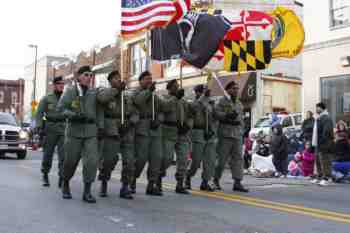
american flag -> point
(139, 15)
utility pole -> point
(34, 103)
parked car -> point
(290, 121)
(13, 139)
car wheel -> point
(21, 154)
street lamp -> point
(34, 104)
(35, 67)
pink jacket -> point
(307, 163)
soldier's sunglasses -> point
(88, 74)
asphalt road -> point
(272, 206)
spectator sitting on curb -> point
(341, 164)
(307, 160)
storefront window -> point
(335, 93)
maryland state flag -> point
(247, 55)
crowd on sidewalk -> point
(319, 152)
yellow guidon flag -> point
(288, 34)
(246, 55)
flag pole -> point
(181, 73)
(213, 73)
(148, 65)
(121, 77)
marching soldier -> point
(79, 104)
(148, 134)
(229, 113)
(203, 139)
(114, 130)
(127, 145)
(176, 127)
(53, 129)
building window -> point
(1, 97)
(138, 59)
(335, 93)
(14, 97)
(339, 13)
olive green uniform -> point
(147, 140)
(176, 113)
(81, 135)
(128, 142)
(110, 100)
(229, 138)
(53, 127)
(203, 137)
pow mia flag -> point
(195, 38)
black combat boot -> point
(66, 190)
(217, 184)
(205, 186)
(46, 182)
(188, 183)
(125, 193)
(239, 187)
(60, 182)
(133, 186)
(153, 189)
(87, 196)
(103, 188)
(180, 187)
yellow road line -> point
(317, 213)
(288, 208)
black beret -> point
(57, 79)
(230, 85)
(113, 74)
(84, 69)
(321, 105)
(199, 88)
(144, 74)
(170, 84)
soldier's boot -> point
(239, 187)
(87, 196)
(205, 186)
(188, 183)
(66, 190)
(125, 193)
(180, 187)
(217, 185)
(159, 184)
(60, 182)
(153, 189)
(133, 186)
(46, 182)
(103, 188)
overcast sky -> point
(58, 27)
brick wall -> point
(11, 96)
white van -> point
(288, 121)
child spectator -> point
(307, 160)
(248, 147)
(279, 150)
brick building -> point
(102, 60)
(11, 97)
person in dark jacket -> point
(341, 164)
(308, 126)
(323, 139)
(279, 150)
(341, 141)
